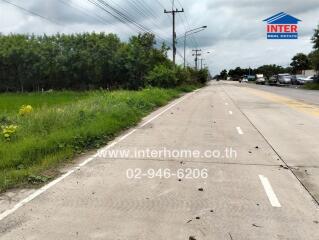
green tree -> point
(315, 38)
(236, 73)
(223, 74)
(300, 62)
(269, 70)
(81, 61)
(314, 56)
(314, 59)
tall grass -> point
(57, 130)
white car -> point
(284, 78)
(305, 80)
(244, 80)
(260, 79)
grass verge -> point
(58, 130)
(311, 86)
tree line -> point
(298, 63)
(87, 61)
(266, 70)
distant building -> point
(309, 72)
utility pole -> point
(201, 63)
(173, 12)
(196, 54)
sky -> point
(235, 34)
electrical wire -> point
(32, 13)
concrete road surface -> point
(292, 91)
(227, 162)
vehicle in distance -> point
(301, 79)
(295, 79)
(260, 79)
(284, 78)
(244, 79)
(272, 80)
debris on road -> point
(254, 225)
(231, 237)
(284, 167)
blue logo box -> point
(282, 35)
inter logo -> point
(282, 26)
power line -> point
(122, 17)
(185, 15)
(32, 13)
(144, 10)
(84, 11)
(159, 2)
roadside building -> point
(309, 72)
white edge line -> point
(269, 191)
(59, 179)
(240, 132)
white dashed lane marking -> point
(240, 132)
(269, 191)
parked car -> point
(284, 78)
(295, 79)
(301, 79)
(309, 79)
(272, 80)
(244, 79)
(260, 79)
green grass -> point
(64, 124)
(10, 102)
(311, 86)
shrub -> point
(202, 76)
(183, 75)
(198, 76)
(168, 76)
(162, 76)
